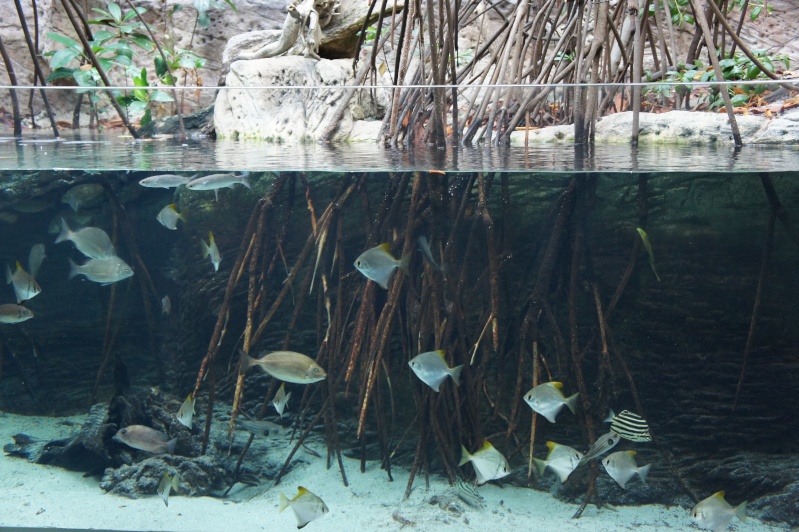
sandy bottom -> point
(34, 495)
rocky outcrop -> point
(677, 127)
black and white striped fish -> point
(629, 426)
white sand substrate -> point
(33, 495)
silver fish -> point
(561, 459)
(306, 506)
(216, 181)
(621, 467)
(10, 313)
(103, 271)
(629, 426)
(81, 196)
(30, 206)
(489, 464)
(25, 286)
(146, 439)
(166, 305)
(166, 485)
(91, 241)
(169, 216)
(432, 369)
(186, 412)
(35, 258)
(378, 264)
(165, 181)
(258, 426)
(424, 247)
(210, 250)
(715, 513)
(547, 400)
(286, 366)
(601, 445)
(281, 400)
(75, 219)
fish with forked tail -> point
(377, 264)
(715, 513)
(547, 400)
(146, 439)
(286, 366)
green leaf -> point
(105, 64)
(142, 41)
(102, 36)
(141, 79)
(231, 4)
(752, 72)
(161, 96)
(115, 11)
(203, 19)
(137, 107)
(85, 78)
(62, 58)
(66, 41)
(739, 100)
(61, 73)
(141, 95)
(146, 118)
(160, 67)
(755, 12)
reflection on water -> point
(111, 152)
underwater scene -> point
(426, 348)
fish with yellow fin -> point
(305, 505)
(648, 246)
(432, 369)
(489, 464)
(211, 250)
(186, 412)
(561, 459)
(621, 467)
(715, 513)
(377, 264)
(547, 400)
(25, 286)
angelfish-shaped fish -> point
(306, 506)
(432, 369)
(489, 464)
(621, 466)
(547, 400)
(281, 400)
(378, 264)
(561, 459)
(715, 513)
(210, 250)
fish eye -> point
(316, 370)
(123, 431)
(610, 441)
(358, 263)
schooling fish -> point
(561, 459)
(258, 426)
(424, 247)
(35, 258)
(306, 506)
(10, 313)
(216, 181)
(25, 286)
(210, 250)
(186, 411)
(169, 216)
(629, 426)
(715, 513)
(286, 366)
(281, 400)
(621, 467)
(166, 485)
(165, 181)
(547, 400)
(489, 464)
(91, 241)
(432, 369)
(378, 264)
(601, 445)
(648, 246)
(146, 439)
(103, 271)
(80, 196)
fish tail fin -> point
(74, 269)
(206, 249)
(541, 465)
(455, 373)
(170, 445)
(404, 263)
(284, 502)
(245, 180)
(245, 362)
(610, 417)
(64, 233)
(175, 482)
(571, 402)
(740, 512)
(465, 456)
(643, 472)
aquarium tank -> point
(433, 266)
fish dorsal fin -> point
(210, 237)
(718, 495)
(486, 446)
(442, 354)
(557, 385)
(551, 445)
(19, 266)
(632, 453)
(300, 492)
(173, 207)
(385, 247)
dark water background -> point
(706, 212)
